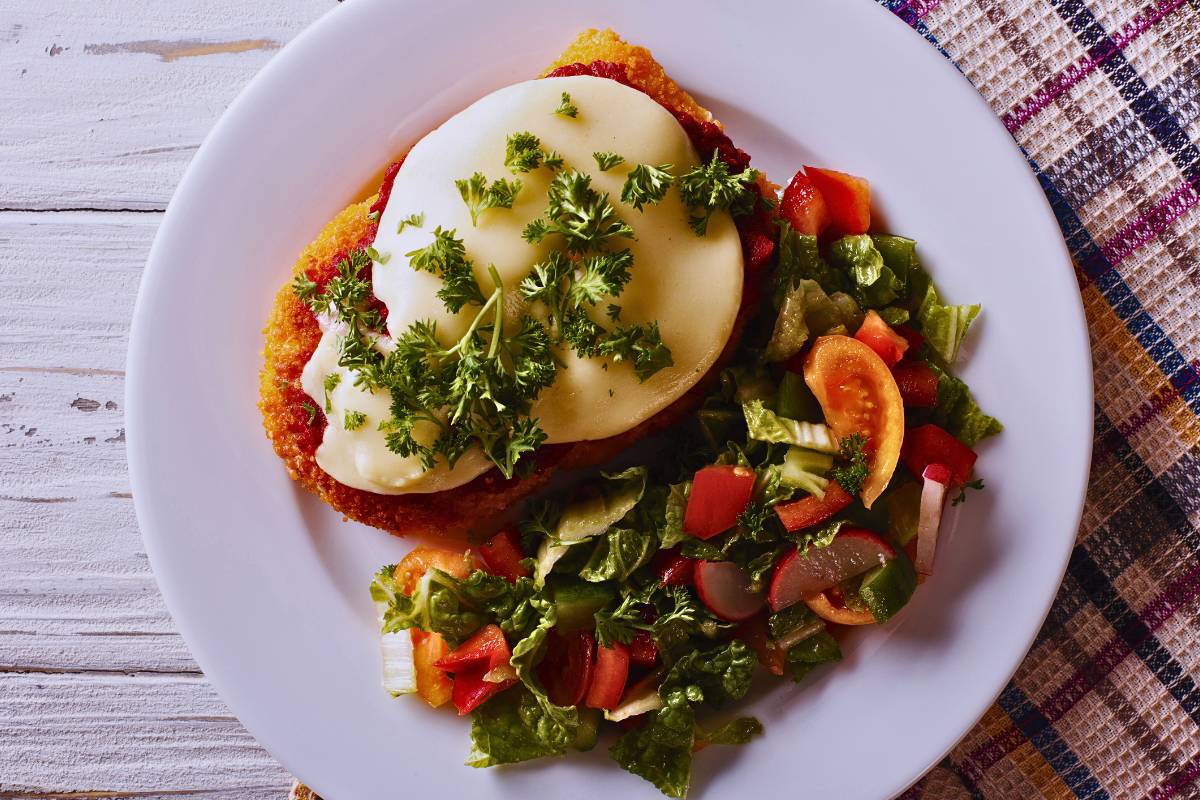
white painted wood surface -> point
(104, 102)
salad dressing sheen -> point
(691, 285)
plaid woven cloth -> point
(1104, 98)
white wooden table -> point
(102, 104)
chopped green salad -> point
(802, 497)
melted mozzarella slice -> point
(691, 285)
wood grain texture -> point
(105, 102)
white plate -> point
(269, 586)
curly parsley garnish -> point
(311, 411)
(479, 196)
(353, 420)
(710, 187)
(331, 382)
(851, 469)
(578, 213)
(446, 257)
(607, 161)
(566, 108)
(412, 220)
(646, 184)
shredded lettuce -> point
(737, 731)
(874, 284)
(943, 326)
(808, 653)
(903, 505)
(958, 413)
(767, 426)
(807, 310)
(800, 259)
(672, 532)
(618, 553)
(513, 727)
(558, 724)
(817, 537)
(434, 606)
(805, 469)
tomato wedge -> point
(642, 650)
(424, 558)
(848, 198)
(859, 395)
(502, 555)
(566, 669)
(433, 684)
(755, 633)
(719, 494)
(879, 336)
(612, 671)
(804, 207)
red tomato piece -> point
(848, 199)
(673, 567)
(719, 494)
(755, 633)
(808, 511)
(929, 444)
(879, 336)
(803, 206)
(502, 555)
(608, 682)
(642, 650)
(910, 334)
(918, 384)
(487, 648)
(566, 669)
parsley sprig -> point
(851, 469)
(580, 214)
(711, 187)
(566, 108)
(523, 152)
(646, 184)
(606, 161)
(480, 196)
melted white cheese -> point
(690, 284)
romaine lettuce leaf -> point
(903, 505)
(800, 259)
(766, 426)
(943, 326)
(618, 553)
(435, 606)
(806, 469)
(512, 727)
(556, 724)
(874, 284)
(661, 750)
(958, 413)
(808, 653)
(737, 731)
(817, 537)
(806, 310)
(672, 532)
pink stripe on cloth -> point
(1180, 592)
(1027, 109)
(1168, 788)
(1151, 224)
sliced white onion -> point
(933, 497)
(399, 676)
(500, 674)
(785, 642)
(641, 698)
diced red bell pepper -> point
(642, 650)
(879, 336)
(472, 689)
(929, 444)
(719, 494)
(502, 555)
(808, 511)
(486, 648)
(912, 336)
(918, 384)
(804, 207)
(566, 669)
(848, 198)
(608, 682)
(673, 567)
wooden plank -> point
(79, 270)
(127, 736)
(105, 101)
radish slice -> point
(933, 497)
(852, 551)
(725, 589)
